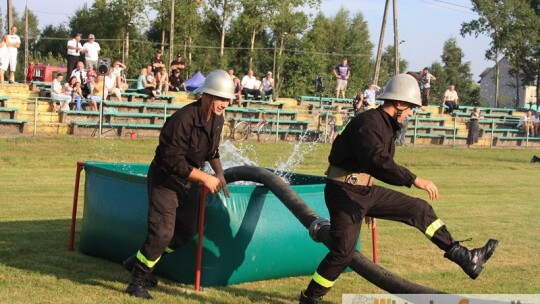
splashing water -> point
(293, 161)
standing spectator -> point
(402, 133)
(58, 94)
(526, 124)
(474, 128)
(249, 83)
(426, 85)
(450, 100)
(188, 139)
(111, 85)
(96, 95)
(4, 59)
(176, 82)
(267, 88)
(370, 96)
(178, 65)
(358, 103)
(91, 51)
(363, 151)
(13, 44)
(157, 63)
(74, 48)
(342, 72)
(338, 122)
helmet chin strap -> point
(399, 112)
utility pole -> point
(381, 41)
(9, 15)
(26, 41)
(171, 35)
(396, 40)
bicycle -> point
(243, 129)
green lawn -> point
(485, 193)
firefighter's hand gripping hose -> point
(319, 230)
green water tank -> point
(247, 237)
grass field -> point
(485, 193)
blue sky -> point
(424, 25)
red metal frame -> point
(198, 265)
(80, 166)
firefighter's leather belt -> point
(352, 178)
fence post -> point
(277, 127)
(492, 132)
(455, 131)
(415, 130)
(35, 116)
(325, 126)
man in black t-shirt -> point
(176, 82)
(157, 62)
(178, 65)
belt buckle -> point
(351, 179)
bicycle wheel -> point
(226, 132)
(241, 130)
(264, 132)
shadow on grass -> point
(41, 247)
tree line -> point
(268, 35)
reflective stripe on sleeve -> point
(322, 281)
(169, 250)
(431, 229)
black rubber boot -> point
(306, 300)
(151, 280)
(535, 159)
(471, 261)
(137, 285)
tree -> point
(49, 40)
(454, 71)
(227, 8)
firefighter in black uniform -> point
(188, 138)
(364, 151)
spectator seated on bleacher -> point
(119, 71)
(162, 81)
(111, 88)
(97, 93)
(526, 124)
(176, 82)
(237, 92)
(249, 86)
(267, 86)
(73, 89)
(144, 86)
(58, 94)
(536, 121)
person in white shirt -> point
(370, 96)
(111, 86)
(267, 87)
(58, 94)
(450, 100)
(4, 59)
(526, 124)
(74, 48)
(91, 51)
(249, 83)
(13, 44)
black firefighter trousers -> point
(173, 213)
(348, 205)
